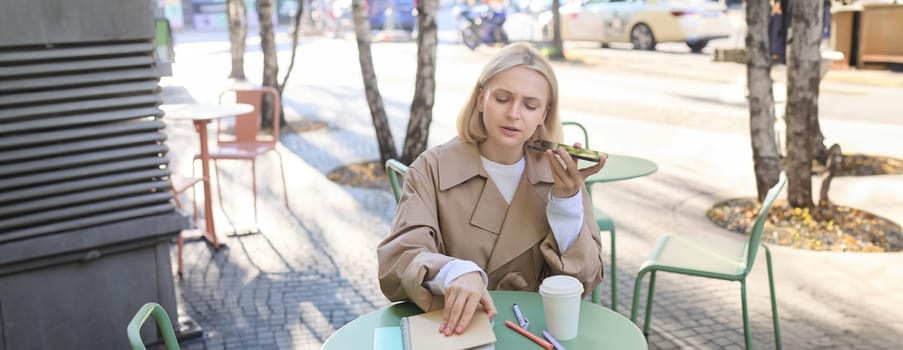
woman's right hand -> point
(462, 296)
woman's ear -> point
(480, 100)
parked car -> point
(523, 19)
(391, 14)
(643, 23)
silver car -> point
(643, 23)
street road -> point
(663, 87)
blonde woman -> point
(481, 212)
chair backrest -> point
(163, 324)
(755, 236)
(396, 171)
(583, 129)
(247, 126)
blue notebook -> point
(387, 338)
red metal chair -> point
(247, 142)
(180, 185)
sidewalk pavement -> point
(312, 268)
(682, 65)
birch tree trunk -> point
(377, 111)
(802, 99)
(761, 100)
(270, 63)
(425, 87)
(238, 30)
(296, 28)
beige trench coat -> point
(450, 208)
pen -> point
(546, 345)
(551, 339)
(524, 322)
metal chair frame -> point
(164, 325)
(246, 145)
(396, 170)
(708, 258)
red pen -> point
(531, 336)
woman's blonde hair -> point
(470, 120)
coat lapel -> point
(521, 229)
(490, 211)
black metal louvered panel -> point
(52, 177)
(27, 54)
(28, 98)
(65, 122)
(83, 183)
(51, 110)
(81, 141)
(72, 81)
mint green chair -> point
(396, 170)
(605, 223)
(718, 258)
(163, 325)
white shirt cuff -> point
(453, 269)
(565, 218)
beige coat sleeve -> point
(413, 253)
(583, 259)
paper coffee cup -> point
(561, 302)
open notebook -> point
(422, 332)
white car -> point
(643, 23)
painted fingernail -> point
(442, 328)
(460, 329)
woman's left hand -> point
(568, 177)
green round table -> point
(600, 327)
(620, 167)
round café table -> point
(201, 114)
(599, 328)
(620, 167)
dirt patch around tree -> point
(833, 228)
(865, 165)
(826, 228)
(305, 125)
(366, 174)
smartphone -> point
(580, 153)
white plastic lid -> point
(561, 285)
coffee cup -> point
(561, 302)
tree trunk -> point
(425, 87)
(270, 64)
(188, 13)
(238, 30)
(368, 74)
(819, 150)
(802, 99)
(296, 27)
(557, 44)
(761, 101)
(834, 160)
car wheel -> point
(642, 38)
(697, 46)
